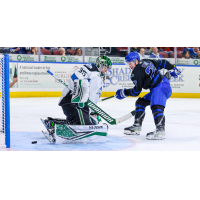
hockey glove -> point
(175, 72)
(96, 116)
(120, 94)
(81, 91)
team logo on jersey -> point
(150, 70)
(135, 83)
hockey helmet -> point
(103, 61)
(132, 57)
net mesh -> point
(2, 101)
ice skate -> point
(133, 130)
(49, 125)
(158, 134)
(49, 137)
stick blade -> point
(125, 117)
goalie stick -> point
(98, 110)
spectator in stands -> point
(52, 49)
(148, 50)
(193, 51)
(137, 49)
(6, 50)
(78, 52)
(19, 50)
(48, 48)
(62, 51)
(113, 51)
(155, 53)
(198, 55)
(166, 49)
(34, 51)
(186, 55)
(142, 52)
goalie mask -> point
(103, 61)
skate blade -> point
(155, 137)
(51, 140)
(44, 123)
(126, 132)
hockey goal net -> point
(4, 101)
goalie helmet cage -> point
(5, 101)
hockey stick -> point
(98, 110)
(106, 98)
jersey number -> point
(82, 71)
(150, 69)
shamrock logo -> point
(19, 57)
(63, 58)
(196, 62)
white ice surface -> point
(182, 118)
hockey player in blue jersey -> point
(146, 75)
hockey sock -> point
(159, 117)
(140, 104)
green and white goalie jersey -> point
(87, 72)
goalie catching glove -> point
(81, 91)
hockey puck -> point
(34, 142)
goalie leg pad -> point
(81, 133)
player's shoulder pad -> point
(144, 63)
(91, 67)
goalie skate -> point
(49, 137)
(158, 134)
(133, 130)
(48, 126)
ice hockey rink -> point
(182, 126)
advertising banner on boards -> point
(34, 76)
